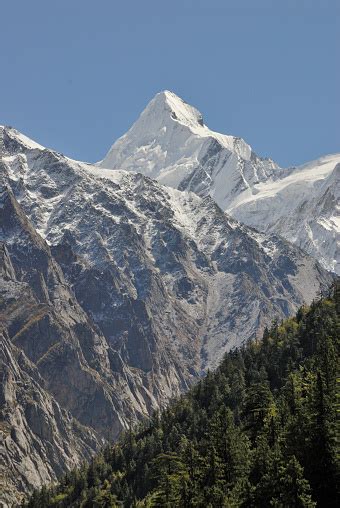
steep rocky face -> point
(40, 319)
(39, 440)
(122, 292)
(52, 328)
(166, 276)
(170, 143)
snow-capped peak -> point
(180, 111)
(167, 102)
(168, 141)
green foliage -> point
(258, 432)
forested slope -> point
(260, 431)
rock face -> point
(170, 143)
(116, 293)
(39, 440)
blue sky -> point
(75, 74)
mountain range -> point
(123, 282)
(170, 143)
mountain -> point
(120, 293)
(259, 431)
(169, 142)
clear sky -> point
(75, 74)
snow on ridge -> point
(171, 144)
(24, 140)
(300, 181)
(186, 114)
(183, 112)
